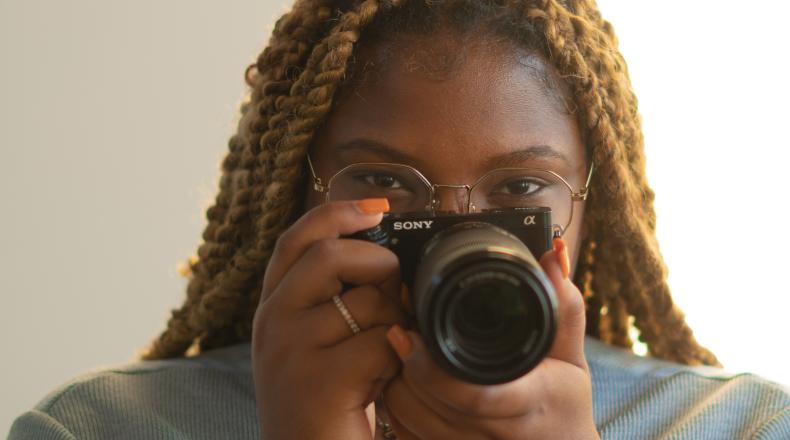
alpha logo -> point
(408, 226)
(529, 220)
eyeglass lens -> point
(408, 191)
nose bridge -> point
(451, 198)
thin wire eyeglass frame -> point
(576, 196)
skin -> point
(314, 379)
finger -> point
(439, 388)
(417, 417)
(568, 343)
(406, 404)
(329, 263)
(330, 220)
(365, 358)
(369, 307)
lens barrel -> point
(485, 308)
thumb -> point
(569, 341)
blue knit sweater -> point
(211, 396)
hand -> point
(554, 400)
(313, 377)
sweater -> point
(211, 396)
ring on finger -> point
(341, 307)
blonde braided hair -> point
(293, 88)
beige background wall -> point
(114, 116)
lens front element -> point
(489, 319)
(485, 308)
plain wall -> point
(114, 117)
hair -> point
(292, 89)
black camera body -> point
(481, 302)
(407, 234)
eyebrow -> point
(392, 154)
(518, 157)
(371, 146)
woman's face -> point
(454, 111)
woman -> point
(454, 92)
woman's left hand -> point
(554, 400)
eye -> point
(381, 180)
(520, 187)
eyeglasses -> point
(408, 190)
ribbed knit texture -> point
(212, 397)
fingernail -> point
(373, 206)
(562, 256)
(399, 341)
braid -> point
(294, 83)
(260, 174)
(622, 217)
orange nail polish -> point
(399, 341)
(561, 249)
(373, 206)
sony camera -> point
(484, 307)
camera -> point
(484, 307)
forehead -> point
(442, 99)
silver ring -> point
(341, 307)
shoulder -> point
(207, 396)
(654, 398)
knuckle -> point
(326, 249)
(389, 258)
(265, 313)
(480, 402)
(285, 240)
(574, 301)
(313, 214)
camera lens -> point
(488, 320)
(489, 308)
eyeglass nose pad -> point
(450, 199)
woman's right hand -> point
(313, 377)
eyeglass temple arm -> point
(584, 191)
(318, 185)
